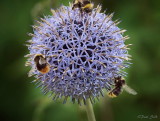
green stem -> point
(89, 110)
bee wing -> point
(129, 90)
(42, 61)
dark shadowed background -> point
(21, 101)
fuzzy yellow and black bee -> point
(120, 84)
(41, 64)
(83, 5)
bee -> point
(120, 84)
(77, 4)
(83, 5)
(41, 64)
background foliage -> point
(21, 101)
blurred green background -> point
(21, 101)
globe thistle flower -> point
(84, 51)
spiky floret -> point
(84, 52)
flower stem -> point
(89, 110)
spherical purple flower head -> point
(85, 52)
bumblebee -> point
(77, 4)
(41, 64)
(83, 5)
(120, 84)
